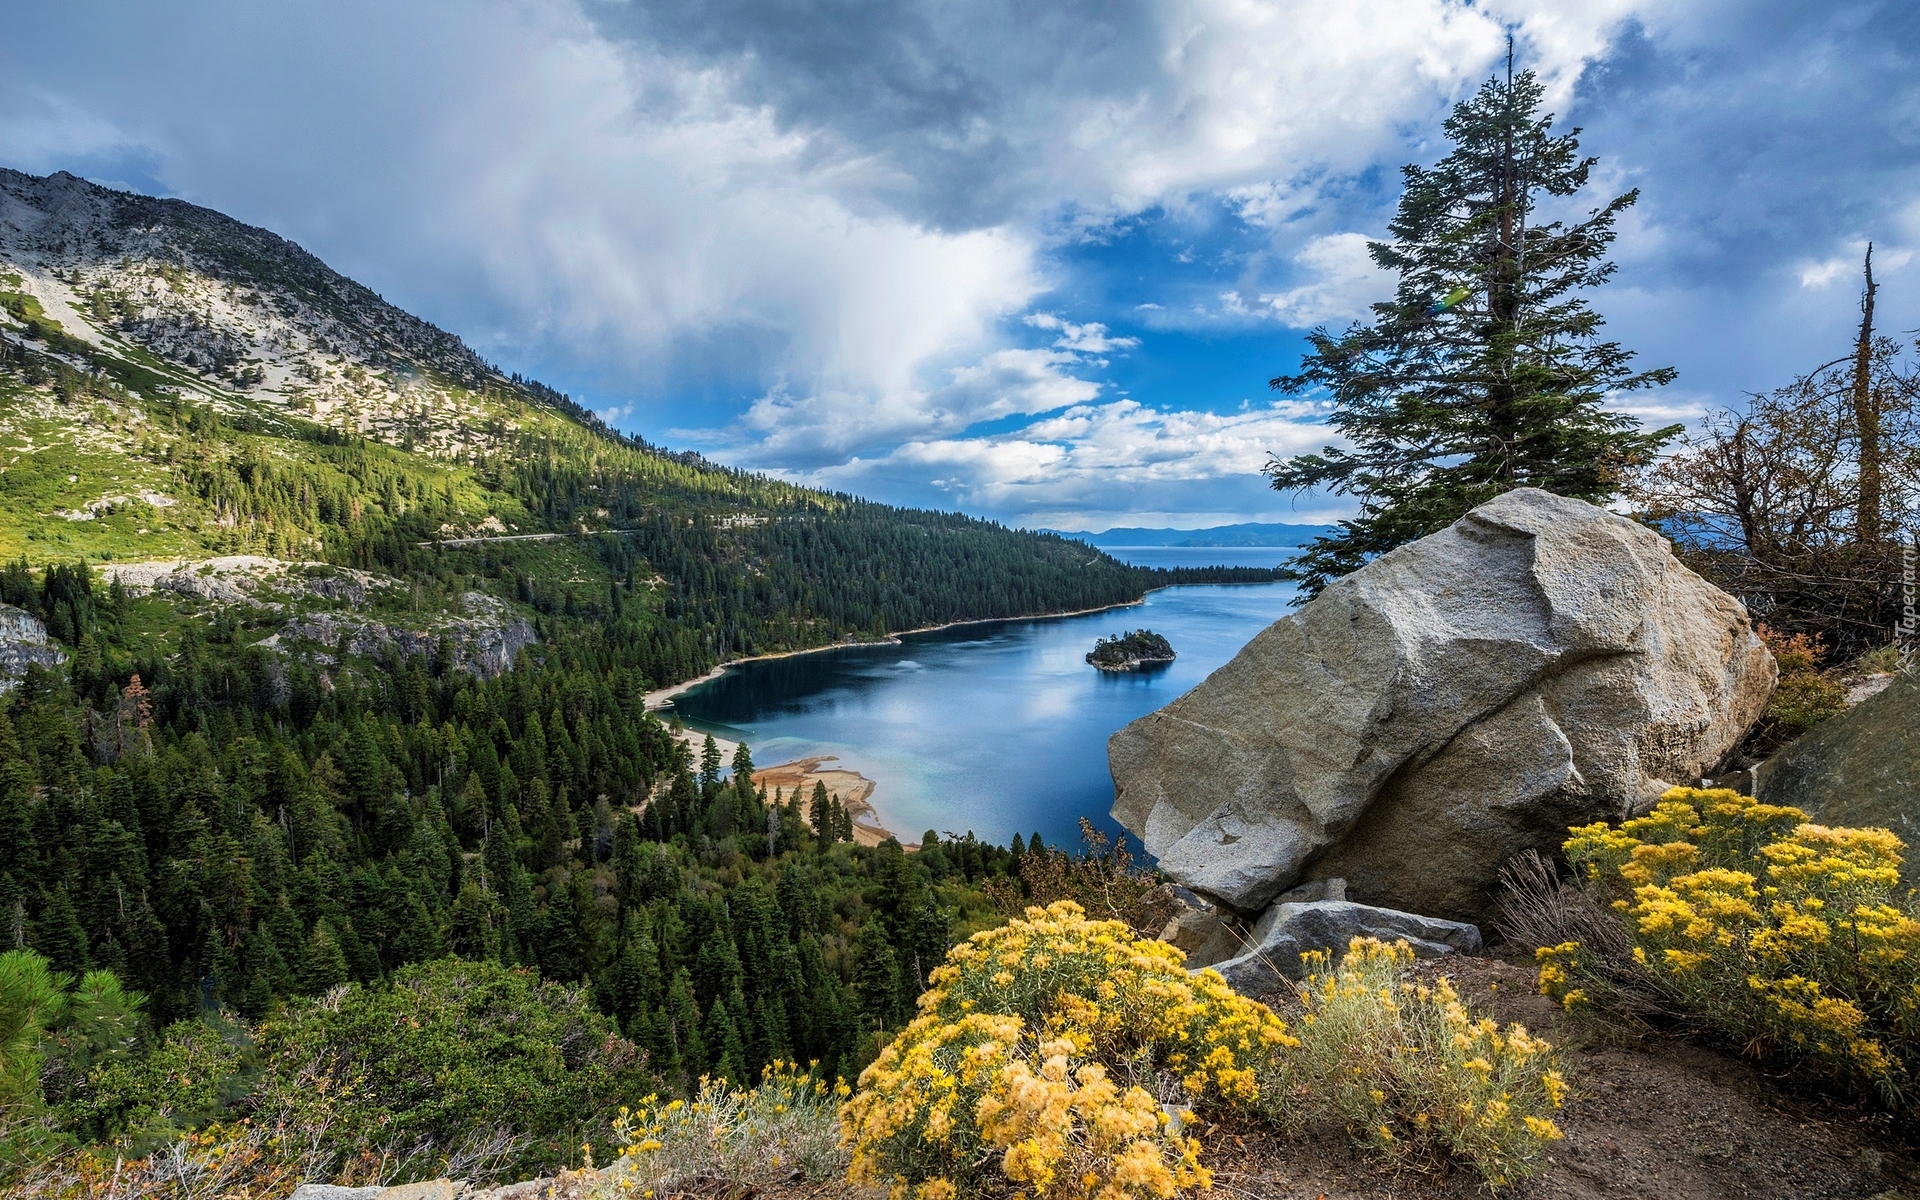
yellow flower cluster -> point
(1409, 1064)
(751, 1137)
(1030, 1051)
(1789, 936)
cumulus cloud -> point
(866, 243)
(1341, 280)
(1096, 462)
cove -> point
(997, 728)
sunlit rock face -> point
(1540, 663)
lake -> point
(998, 728)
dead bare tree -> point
(1800, 505)
(1866, 417)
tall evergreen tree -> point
(876, 976)
(820, 813)
(1486, 371)
(689, 1049)
(326, 963)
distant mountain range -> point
(1248, 534)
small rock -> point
(431, 1189)
(1204, 935)
(1285, 932)
(332, 1191)
(1314, 889)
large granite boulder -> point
(1540, 663)
(1861, 768)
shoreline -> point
(868, 823)
(663, 697)
(853, 790)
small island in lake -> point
(1141, 648)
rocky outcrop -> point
(24, 642)
(484, 641)
(1282, 938)
(250, 579)
(1861, 768)
(1460, 700)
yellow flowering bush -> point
(744, 1139)
(1045, 1049)
(1405, 1066)
(1789, 937)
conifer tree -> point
(1486, 371)
(722, 1035)
(820, 814)
(59, 938)
(474, 929)
(876, 976)
(558, 951)
(688, 1048)
(326, 963)
(637, 979)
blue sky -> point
(1036, 261)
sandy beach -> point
(853, 790)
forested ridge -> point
(233, 833)
(213, 828)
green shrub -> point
(750, 1138)
(449, 1060)
(1409, 1070)
(196, 1074)
(1789, 938)
(1806, 695)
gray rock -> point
(485, 640)
(331, 1191)
(427, 1189)
(1314, 889)
(1460, 700)
(24, 642)
(1860, 768)
(1286, 932)
(1205, 936)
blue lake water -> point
(997, 728)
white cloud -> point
(1342, 281)
(1092, 459)
(1090, 338)
(835, 257)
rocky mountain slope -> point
(237, 314)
